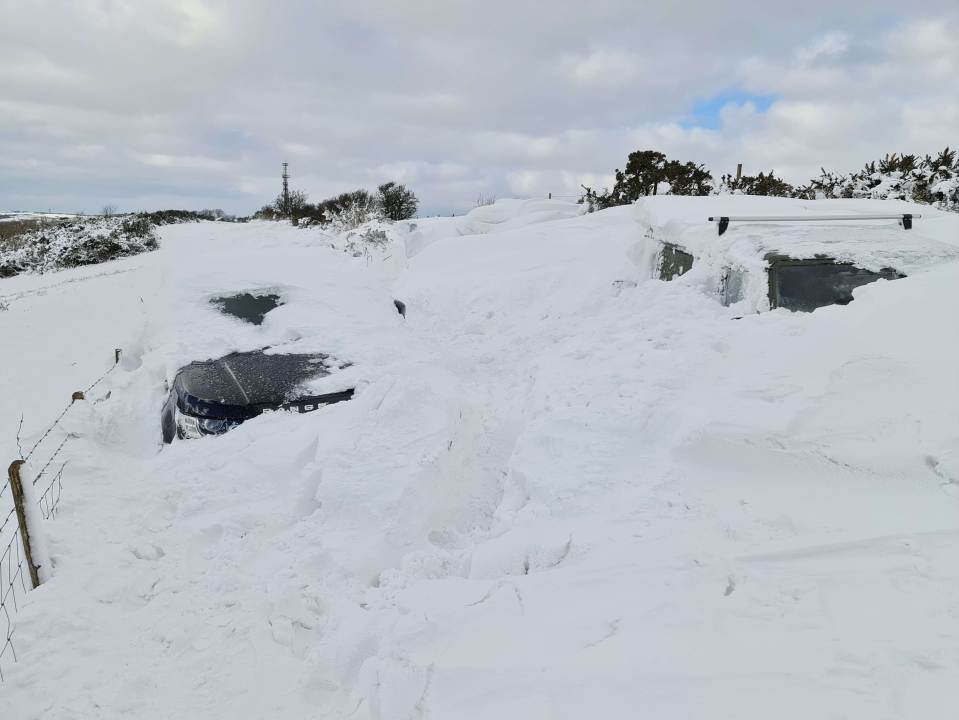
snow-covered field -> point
(16, 216)
(563, 490)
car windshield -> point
(248, 307)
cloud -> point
(183, 162)
(829, 47)
(197, 102)
(605, 68)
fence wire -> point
(50, 496)
(48, 485)
(13, 584)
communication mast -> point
(286, 189)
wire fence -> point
(14, 584)
(19, 490)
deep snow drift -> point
(563, 489)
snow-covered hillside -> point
(563, 489)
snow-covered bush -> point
(82, 241)
(761, 184)
(345, 211)
(352, 217)
(930, 179)
(946, 193)
(367, 237)
(169, 217)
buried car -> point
(214, 396)
(786, 253)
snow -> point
(16, 215)
(503, 215)
(563, 489)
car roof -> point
(870, 244)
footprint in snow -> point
(148, 551)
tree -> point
(646, 171)
(296, 202)
(396, 201)
(291, 206)
(267, 212)
(688, 178)
(214, 214)
(109, 211)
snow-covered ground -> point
(563, 490)
(17, 215)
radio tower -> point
(286, 189)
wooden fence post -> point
(16, 484)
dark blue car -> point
(213, 396)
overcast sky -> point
(195, 103)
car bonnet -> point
(249, 380)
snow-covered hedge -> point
(82, 241)
(929, 179)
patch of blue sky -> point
(705, 113)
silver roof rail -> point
(724, 220)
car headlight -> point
(213, 426)
(187, 426)
(191, 427)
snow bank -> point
(564, 489)
(501, 216)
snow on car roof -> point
(871, 244)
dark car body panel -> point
(674, 261)
(240, 386)
(802, 285)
